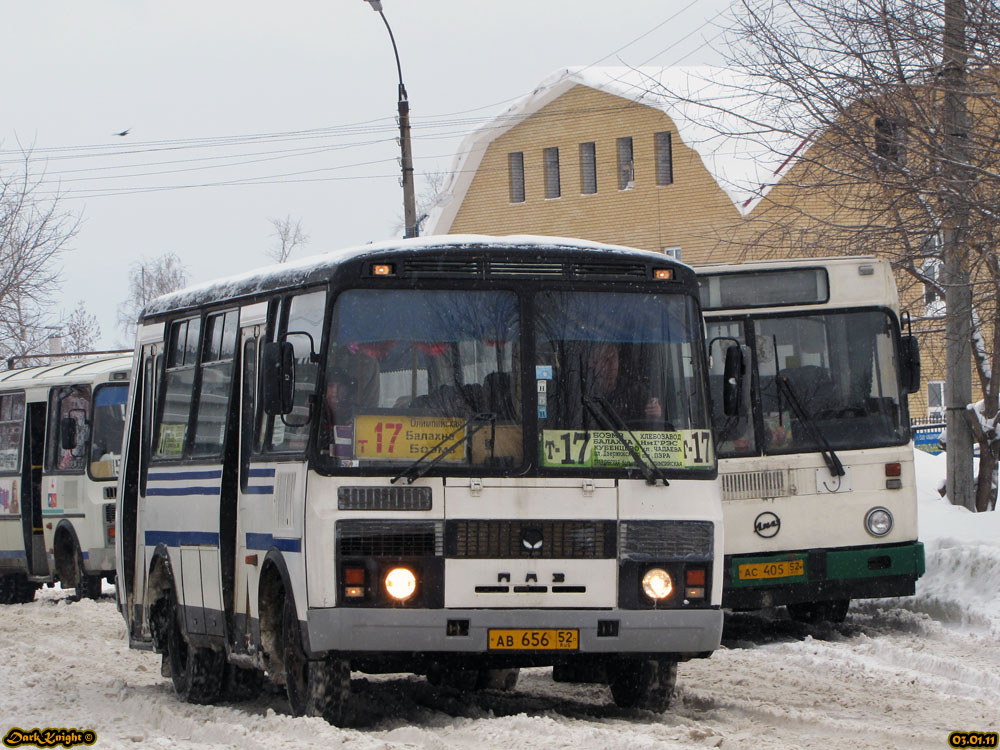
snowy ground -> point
(898, 673)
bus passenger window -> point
(11, 429)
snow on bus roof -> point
(66, 369)
(718, 112)
(311, 268)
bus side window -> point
(249, 422)
(174, 404)
(303, 329)
(11, 429)
(69, 428)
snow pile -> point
(962, 582)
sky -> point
(242, 112)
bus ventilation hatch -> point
(750, 485)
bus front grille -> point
(365, 538)
(751, 485)
(541, 539)
(667, 540)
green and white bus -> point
(817, 468)
(399, 458)
(60, 443)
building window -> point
(932, 270)
(551, 160)
(588, 168)
(890, 145)
(935, 400)
(626, 164)
(664, 158)
(515, 167)
(672, 252)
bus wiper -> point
(829, 456)
(418, 468)
(650, 470)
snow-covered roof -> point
(317, 268)
(68, 370)
(718, 112)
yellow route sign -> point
(405, 438)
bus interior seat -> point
(497, 396)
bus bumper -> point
(847, 573)
(682, 633)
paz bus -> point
(398, 458)
(60, 441)
(817, 465)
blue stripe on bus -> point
(264, 489)
(182, 491)
(262, 472)
(182, 538)
(174, 477)
(266, 541)
(12, 554)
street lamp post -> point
(409, 201)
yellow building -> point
(650, 158)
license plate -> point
(776, 569)
(534, 640)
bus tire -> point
(196, 672)
(643, 683)
(17, 589)
(241, 683)
(315, 687)
(88, 587)
(834, 611)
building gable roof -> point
(745, 153)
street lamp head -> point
(376, 5)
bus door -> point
(31, 489)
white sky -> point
(297, 98)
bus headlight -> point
(878, 522)
(400, 583)
(657, 584)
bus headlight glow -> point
(657, 584)
(400, 583)
(878, 522)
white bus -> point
(400, 458)
(60, 441)
(817, 469)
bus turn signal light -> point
(663, 274)
(382, 269)
(894, 470)
(695, 577)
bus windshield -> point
(406, 371)
(839, 366)
(109, 423)
(615, 367)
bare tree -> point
(147, 280)
(82, 332)
(34, 233)
(288, 235)
(891, 131)
(433, 186)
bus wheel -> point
(834, 611)
(645, 683)
(241, 683)
(314, 687)
(498, 679)
(196, 672)
(88, 587)
(17, 589)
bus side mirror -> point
(733, 375)
(67, 433)
(277, 366)
(909, 361)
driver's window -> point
(69, 428)
(303, 329)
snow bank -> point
(962, 582)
